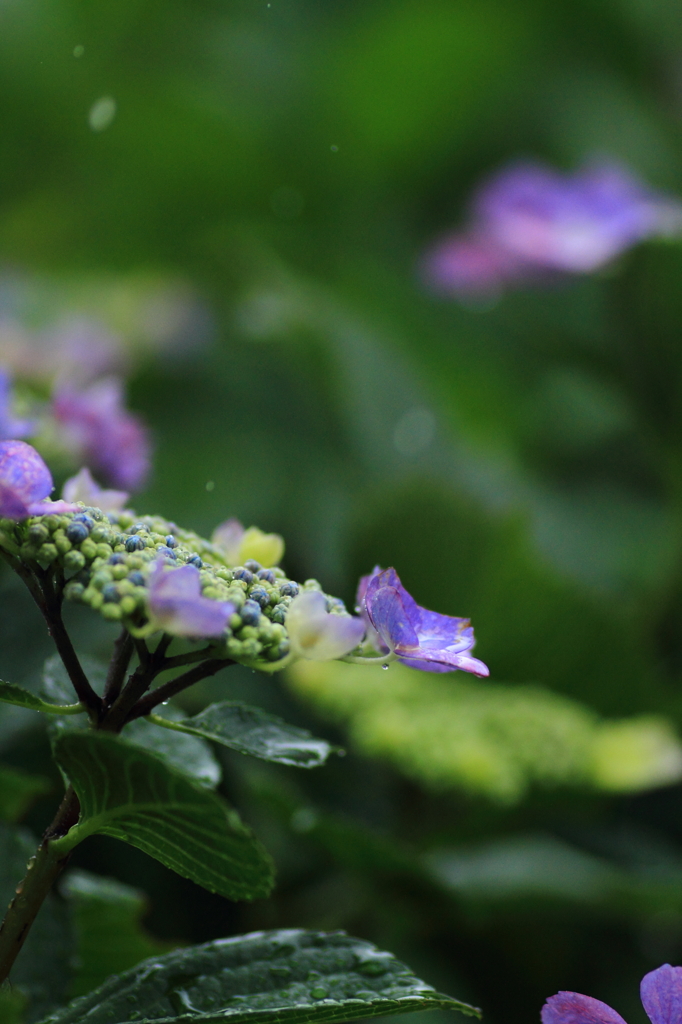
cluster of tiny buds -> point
(106, 561)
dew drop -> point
(318, 992)
(385, 668)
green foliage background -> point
(288, 162)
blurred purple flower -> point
(528, 221)
(82, 487)
(660, 990)
(419, 638)
(25, 483)
(177, 605)
(105, 435)
(9, 427)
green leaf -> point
(41, 972)
(131, 794)
(190, 754)
(56, 685)
(13, 694)
(109, 937)
(18, 790)
(283, 977)
(12, 1006)
(252, 731)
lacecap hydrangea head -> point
(150, 574)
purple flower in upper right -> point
(419, 638)
(528, 222)
(660, 990)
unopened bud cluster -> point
(106, 561)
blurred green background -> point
(279, 167)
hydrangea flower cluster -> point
(88, 422)
(151, 575)
(528, 222)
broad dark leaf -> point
(109, 937)
(190, 754)
(252, 731)
(58, 688)
(18, 790)
(279, 977)
(132, 794)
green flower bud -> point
(251, 648)
(74, 591)
(128, 604)
(89, 549)
(47, 553)
(100, 579)
(111, 611)
(61, 542)
(73, 561)
(38, 533)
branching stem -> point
(177, 685)
(124, 646)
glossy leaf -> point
(190, 754)
(58, 688)
(279, 977)
(18, 790)
(13, 694)
(109, 937)
(131, 794)
(252, 731)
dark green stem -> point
(43, 870)
(177, 685)
(118, 666)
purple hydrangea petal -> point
(10, 427)
(441, 661)
(436, 628)
(55, 508)
(82, 487)
(371, 634)
(106, 435)
(574, 223)
(528, 221)
(176, 603)
(420, 638)
(661, 992)
(574, 1008)
(11, 505)
(472, 264)
(389, 616)
(23, 472)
